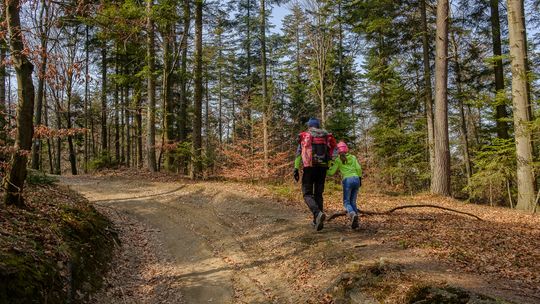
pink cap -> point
(342, 147)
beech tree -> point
(14, 179)
(520, 101)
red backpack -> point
(317, 147)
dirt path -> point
(220, 243)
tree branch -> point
(344, 213)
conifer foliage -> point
(432, 94)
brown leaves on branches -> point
(42, 131)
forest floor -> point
(223, 242)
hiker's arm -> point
(358, 167)
(333, 167)
(298, 159)
(297, 162)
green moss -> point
(32, 270)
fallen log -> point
(344, 213)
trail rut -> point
(217, 243)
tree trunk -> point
(36, 147)
(151, 118)
(183, 100)
(196, 166)
(501, 112)
(86, 92)
(72, 156)
(463, 122)
(127, 118)
(220, 89)
(265, 103)
(428, 93)
(49, 140)
(116, 110)
(14, 180)
(104, 146)
(441, 175)
(138, 120)
(518, 54)
(167, 97)
(3, 103)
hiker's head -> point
(342, 147)
(313, 123)
(342, 150)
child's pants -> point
(351, 185)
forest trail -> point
(215, 242)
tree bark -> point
(196, 163)
(14, 180)
(167, 97)
(151, 113)
(71, 147)
(116, 109)
(104, 145)
(183, 100)
(463, 122)
(36, 147)
(441, 175)
(127, 117)
(3, 103)
(86, 96)
(138, 121)
(518, 54)
(265, 103)
(501, 113)
(428, 92)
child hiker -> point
(351, 172)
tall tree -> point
(520, 101)
(265, 103)
(104, 145)
(14, 180)
(183, 79)
(321, 37)
(428, 93)
(151, 112)
(441, 173)
(196, 162)
(44, 29)
(501, 112)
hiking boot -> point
(319, 221)
(354, 220)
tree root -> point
(344, 213)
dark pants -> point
(313, 188)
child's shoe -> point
(354, 220)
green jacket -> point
(350, 169)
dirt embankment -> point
(53, 251)
(232, 243)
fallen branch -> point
(344, 213)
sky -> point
(278, 12)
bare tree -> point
(14, 180)
(321, 38)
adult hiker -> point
(315, 148)
(351, 173)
